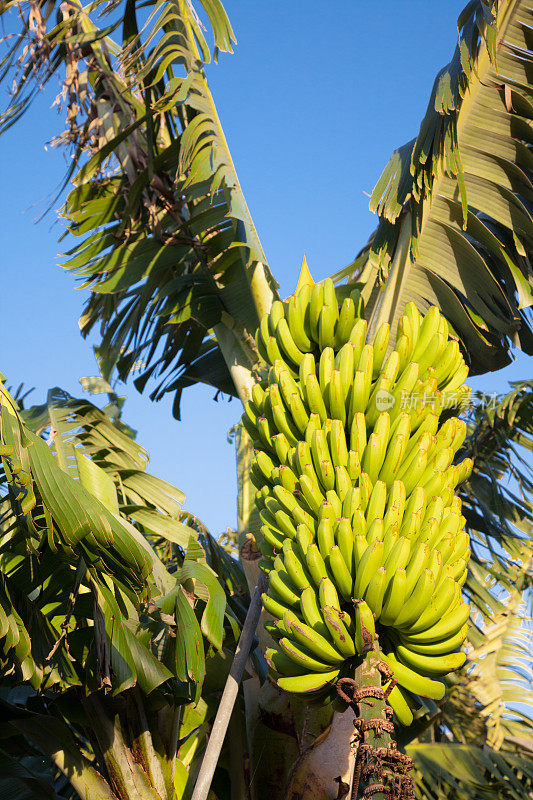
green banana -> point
(368, 565)
(358, 337)
(311, 611)
(287, 478)
(302, 657)
(344, 539)
(428, 327)
(394, 597)
(326, 366)
(345, 363)
(350, 504)
(365, 366)
(375, 531)
(449, 625)
(435, 565)
(304, 538)
(375, 591)
(381, 392)
(337, 444)
(358, 434)
(335, 502)
(270, 538)
(373, 456)
(298, 412)
(418, 599)
(282, 447)
(390, 537)
(311, 493)
(433, 351)
(343, 483)
(281, 588)
(314, 399)
(340, 572)
(307, 367)
(316, 303)
(365, 488)
(326, 326)
(294, 567)
(327, 594)
(316, 644)
(345, 324)
(441, 647)
(327, 510)
(307, 684)
(316, 565)
(283, 522)
(325, 537)
(403, 348)
(264, 433)
(450, 360)
(365, 628)
(337, 398)
(338, 631)
(281, 663)
(398, 557)
(393, 459)
(321, 460)
(353, 466)
(360, 546)
(399, 705)
(438, 605)
(295, 320)
(418, 561)
(273, 606)
(412, 681)
(381, 343)
(375, 508)
(431, 665)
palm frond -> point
(92, 641)
(497, 498)
(70, 569)
(454, 204)
(167, 245)
(456, 771)
(501, 678)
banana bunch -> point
(355, 478)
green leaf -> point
(213, 615)
(97, 482)
(160, 525)
(156, 193)
(455, 226)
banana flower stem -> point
(381, 771)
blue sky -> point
(313, 101)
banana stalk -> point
(372, 769)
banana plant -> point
(116, 629)
(150, 155)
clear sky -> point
(314, 100)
